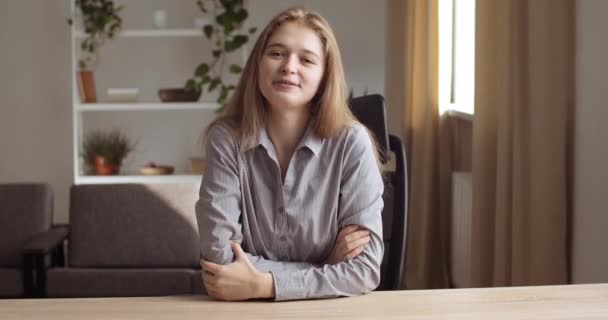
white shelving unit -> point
(146, 33)
(139, 179)
(161, 106)
(79, 108)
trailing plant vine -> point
(100, 21)
(226, 35)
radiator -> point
(460, 244)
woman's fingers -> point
(211, 267)
(352, 240)
(346, 230)
(354, 253)
(361, 242)
(353, 236)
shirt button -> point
(283, 238)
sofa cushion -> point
(25, 209)
(85, 282)
(197, 283)
(11, 283)
(134, 225)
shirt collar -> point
(310, 140)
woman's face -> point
(292, 67)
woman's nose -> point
(289, 65)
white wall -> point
(35, 80)
(35, 103)
(590, 223)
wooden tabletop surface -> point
(544, 302)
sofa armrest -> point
(35, 252)
(44, 242)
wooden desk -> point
(550, 302)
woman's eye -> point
(308, 61)
(275, 53)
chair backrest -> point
(25, 210)
(370, 111)
(134, 225)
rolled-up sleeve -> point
(360, 203)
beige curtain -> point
(428, 200)
(521, 134)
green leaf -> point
(223, 95)
(228, 29)
(240, 15)
(190, 85)
(208, 30)
(201, 6)
(201, 70)
(238, 41)
(235, 68)
(216, 53)
(253, 30)
(214, 83)
(221, 19)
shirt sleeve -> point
(218, 208)
(360, 203)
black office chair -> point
(370, 111)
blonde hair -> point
(245, 111)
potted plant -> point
(105, 151)
(99, 21)
(224, 31)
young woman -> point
(291, 199)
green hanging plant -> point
(224, 32)
(100, 21)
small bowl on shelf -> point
(178, 95)
(153, 169)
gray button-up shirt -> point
(289, 227)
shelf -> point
(185, 178)
(153, 33)
(143, 106)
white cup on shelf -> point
(160, 19)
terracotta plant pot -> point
(86, 86)
(104, 168)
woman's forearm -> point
(264, 286)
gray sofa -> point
(26, 211)
(130, 240)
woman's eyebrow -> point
(282, 46)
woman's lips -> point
(285, 85)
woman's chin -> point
(287, 102)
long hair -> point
(245, 111)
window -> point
(456, 55)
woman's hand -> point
(350, 243)
(238, 280)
